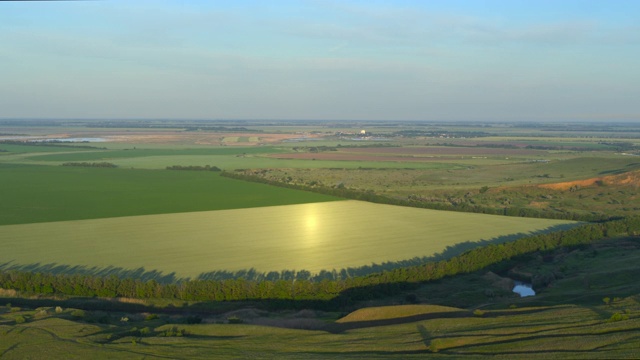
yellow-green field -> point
(313, 237)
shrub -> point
(234, 320)
(618, 317)
(78, 313)
(20, 320)
(174, 332)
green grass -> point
(556, 332)
(54, 193)
(313, 237)
(462, 174)
(393, 312)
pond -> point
(523, 289)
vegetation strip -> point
(412, 201)
(328, 294)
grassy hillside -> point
(556, 332)
(568, 318)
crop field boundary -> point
(310, 237)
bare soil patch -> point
(629, 178)
(177, 137)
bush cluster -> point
(91, 164)
(194, 168)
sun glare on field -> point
(311, 224)
(313, 237)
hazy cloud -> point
(315, 59)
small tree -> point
(78, 313)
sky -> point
(511, 60)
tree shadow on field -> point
(350, 272)
(59, 269)
(254, 275)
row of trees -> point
(194, 168)
(103, 164)
(330, 293)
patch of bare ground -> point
(539, 204)
(130, 300)
(629, 178)
(178, 137)
(8, 292)
(263, 139)
(149, 138)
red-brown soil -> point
(629, 178)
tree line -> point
(49, 144)
(330, 293)
(103, 164)
(194, 168)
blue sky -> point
(377, 60)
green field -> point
(33, 194)
(227, 158)
(313, 237)
(135, 153)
